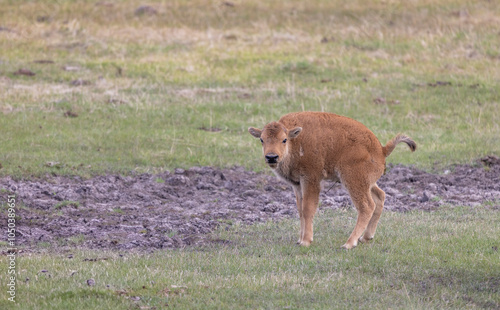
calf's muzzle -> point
(271, 158)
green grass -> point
(181, 87)
(418, 260)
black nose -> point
(271, 158)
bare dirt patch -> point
(180, 208)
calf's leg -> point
(298, 195)
(362, 199)
(378, 196)
(310, 199)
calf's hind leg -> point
(362, 199)
(378, 196)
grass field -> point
(92, 87)
(445, 259)
(148, 92)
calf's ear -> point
(255, 132)
(293, 133)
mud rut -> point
(180, 208)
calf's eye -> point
(284, 141)
(261, 141)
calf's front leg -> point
(298, 195)
(310, 199)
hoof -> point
(349, 246)
(305, 243)
(363, 239)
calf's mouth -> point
(271, 159)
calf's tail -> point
(389, 147)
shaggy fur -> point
(307, 147)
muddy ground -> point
(179, 208)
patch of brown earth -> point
(181, 208)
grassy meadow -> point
(95, 87)
(440, 260)
(118, 91)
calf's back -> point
(328, 143)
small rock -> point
(432, 187)
(268, 188)
(179, 171)
(90, 282)
(424, 198)
(177, 180)
(228, 185)
(272, 207)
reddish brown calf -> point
(308, 147)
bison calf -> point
(305, 148)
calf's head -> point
(275, 139)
